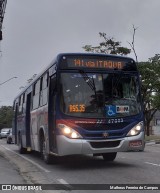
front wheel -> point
(45, 155)
(9, 140)
(109, 156)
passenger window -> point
(44, 90)
(20, 104)
(36, 91)
(24, 103)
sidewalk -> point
(9, 175)
(24, 171)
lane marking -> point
(62, 181)
(152, 164)
(29, 160)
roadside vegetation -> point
(152, 137)
(6, 116)
(149, 71)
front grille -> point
(106, 144)
(100, 135)
(102, 126)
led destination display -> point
(110, 63)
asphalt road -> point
(128, 168)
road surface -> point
(128, 168)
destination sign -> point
(97, 62)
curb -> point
(153, 142)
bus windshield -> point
(100, 94)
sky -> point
(34, 31)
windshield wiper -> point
(115, 85)
(88, 80)
(91, 84)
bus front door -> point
(51, 114)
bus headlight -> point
(69, 132)
(135, 130)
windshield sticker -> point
(122, 109)
(110, 110)
(80, 76)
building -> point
(156, 121)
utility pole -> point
(2, 11)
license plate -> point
(137, 143)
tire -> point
(22, 150)
(43, 148)
(9, 140)
(109, 156)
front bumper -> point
(66, 146)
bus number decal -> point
(120, 120)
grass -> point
(152, 137)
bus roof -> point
(93, 54)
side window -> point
(44, 90)
(41, 86)
(36, 91)
(45, 81)
(20, 104)
(14, 105)
(24, 102)
(37, 87)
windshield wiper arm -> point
(90, 82)
(115, 85)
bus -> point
(82, 103)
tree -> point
(150, 88)
(132, 44)
(107, 46)
(6, 115)
(150, 72)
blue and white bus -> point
(81, 104)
